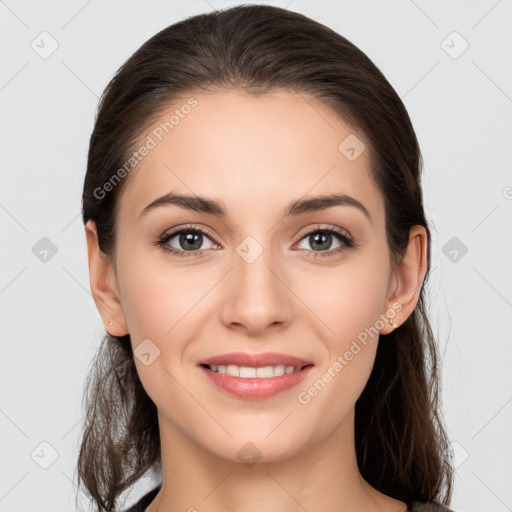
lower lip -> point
(255, 388)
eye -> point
(322, 238)
(189, 240)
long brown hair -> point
(401, 444)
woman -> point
(258, 252)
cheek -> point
(146, 305)
(156, 298)
(347, 299)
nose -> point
(255, 296)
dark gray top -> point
(144, 502)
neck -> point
(325, 477)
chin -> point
(257, 449)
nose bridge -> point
(254, 294)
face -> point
(260, 279)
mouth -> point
(255, 376)
(251, 372)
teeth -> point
(247, 372)
(266, 372)
(243, 371)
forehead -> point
(250, 152)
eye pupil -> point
(326, 237)
(193, 239)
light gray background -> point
(461, 107)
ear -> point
(103, 283)
(407, 280)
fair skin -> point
(255, 155)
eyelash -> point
(343, 237)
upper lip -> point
(256, 360)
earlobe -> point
(103, 284)
(408, 279)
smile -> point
(248, 372)
(255, 376)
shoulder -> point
(144, 502)
(428, 507)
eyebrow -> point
(297, 207)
